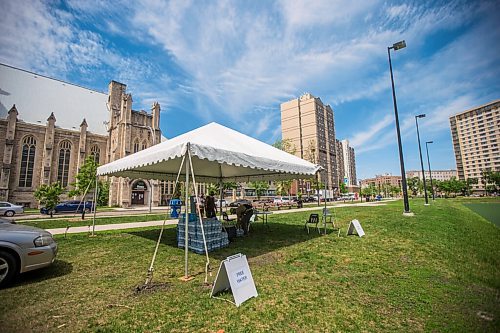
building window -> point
(136, 145)
(95, 152)
(64, 156)
(144, 145)
(27, 162)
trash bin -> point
(175, 207)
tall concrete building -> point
(349, 159)
(309, 125)
(475, 135)
(90, 123)
(340, 161)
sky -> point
(234, 62)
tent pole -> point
(221, 187)
(95, 206)
(186, 217)
(207, 265)
(149, 276)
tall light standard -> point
(421, 160)
(395, 47)
(429, 164)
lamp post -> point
(421, 160)
(395, 47)
(429, 164)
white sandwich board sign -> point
(355, 225)
(234, 273)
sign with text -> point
(355, 225)
(234, 274)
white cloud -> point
(367, 137)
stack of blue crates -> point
(216, 238)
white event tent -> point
(213, 153)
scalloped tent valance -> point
(217, 153)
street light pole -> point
(429, 164)
(395, 47)
(421, 160)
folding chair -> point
(313, 219)
(328, 218)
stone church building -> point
(35, 153)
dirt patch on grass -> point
(151, 287)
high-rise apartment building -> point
(475, 135)
(349, 164)
(309, 126)
(340, 161)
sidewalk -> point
(132, 225)
(106, 227)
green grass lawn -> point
(436, 271)
(78, 222)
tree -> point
(285, 145)
(414, 185)
(260, 188)
(48, 195)
(85, 181)
(468, 185)
(342, 187)
(283, 186)
(490, 180)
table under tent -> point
(212, 153)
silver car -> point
(22, 249)
(8, 209)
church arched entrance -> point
(139, 189)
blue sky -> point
(234, 62)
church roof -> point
(37, 96)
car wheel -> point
(87, 210)
(10, 213)
(8, 268)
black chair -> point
(313, 219)
(226, 218)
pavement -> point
(106, 213)
(133, 225)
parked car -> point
(240, 202)
(24, 248)
(218, 203)
(73, 206)
(281, 200)
(8, 209)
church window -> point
(144, 145)
(95, 152)
(27, 161)
(136, 145)
(64, 156)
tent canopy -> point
(217, 152)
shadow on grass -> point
(261, 239)
(57, 269)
